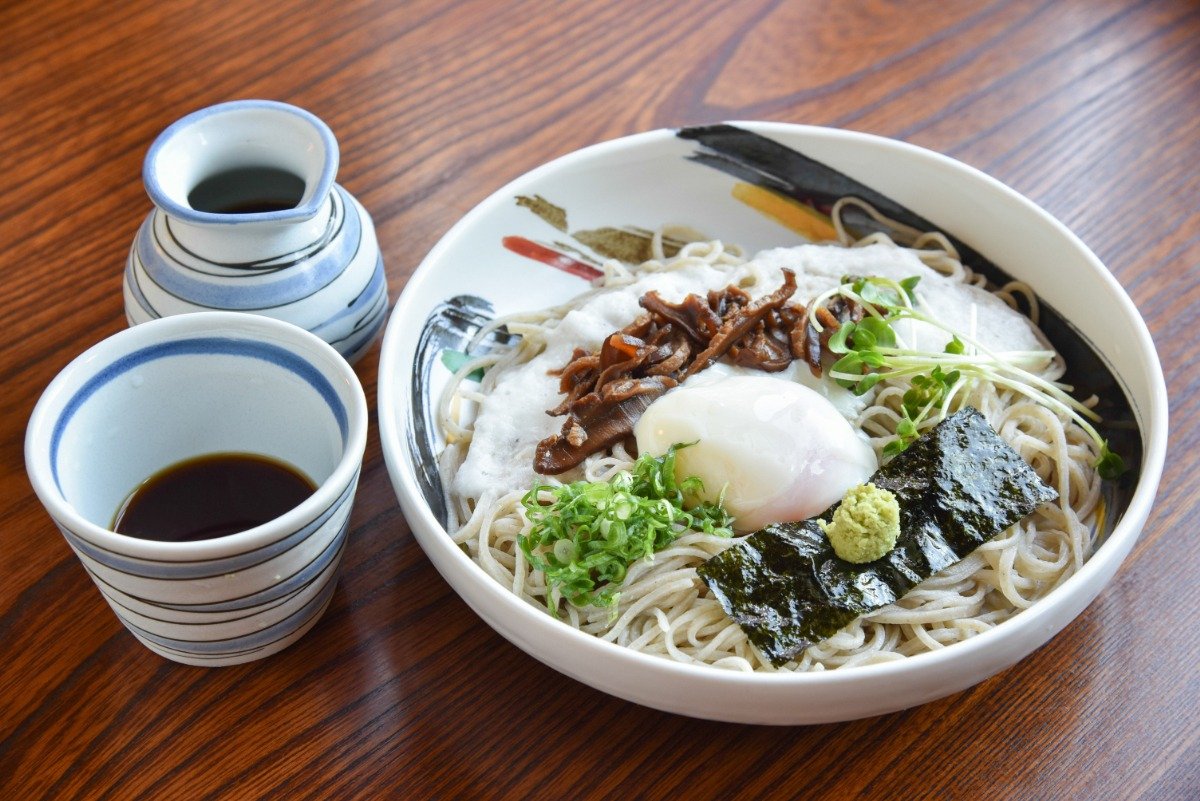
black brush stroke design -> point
(759, 160)
(450, 326)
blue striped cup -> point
(185, 386)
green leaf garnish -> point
(454, 359)
(1110, 466)
(585, 537)
(867, 382)
(871, 350)
(837, 342)
(925, 394)
(876, 293)
(881, 334)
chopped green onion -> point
(585, 535)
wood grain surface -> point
(1089, 107)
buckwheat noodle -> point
(666, 610)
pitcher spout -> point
(242, 163)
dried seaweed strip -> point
(958, 486)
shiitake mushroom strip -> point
(958, 486)
(671, 342)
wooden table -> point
(1089, 107)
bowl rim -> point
(535, 623)
(182, 327)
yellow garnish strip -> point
(802, 219)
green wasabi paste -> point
(865, 526)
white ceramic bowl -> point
(184, 386)
(662, 178)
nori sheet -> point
(958, 486)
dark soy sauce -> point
(247, 190)
(211, 496)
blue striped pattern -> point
(350, 328)
(362, 320)
(286, 597)
(179, 571)
(298, 278)
(249, 642)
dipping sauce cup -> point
(187, 386)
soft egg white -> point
(778, 450)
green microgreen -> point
(1109, 465)
(454, 360)
(585, 535)
(871, 350)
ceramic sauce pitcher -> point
(248, 218)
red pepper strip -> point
(532, 250)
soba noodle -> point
(665, 609)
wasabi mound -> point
(865, 526)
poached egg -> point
(777, 450)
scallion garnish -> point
(585, 535)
